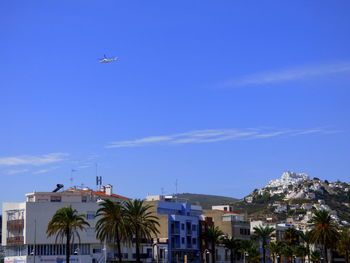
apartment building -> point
(24, 227)
(231, 223)
(180, 226)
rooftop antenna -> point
(162, 191)
(71, 176)
(98, 179)
(176, 184)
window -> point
(96, 250)
(84, 199)
(55, 199)
(182, 226)
(90, 215)
(183, 240)
(194, 227)
(244, 231)
(194, 241)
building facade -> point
(24, 227)
(180, 225)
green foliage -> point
(315, 256)
(139, 222)
(111, 224)
(66, 224)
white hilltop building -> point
(289, 178)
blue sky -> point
(222, 96)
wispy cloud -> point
(210, 136)
(33, 160)
(17, 171)
(42, 171)
(288, 75)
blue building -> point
(180, 225)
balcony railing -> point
(175, 231)
(15, 241)
(15, 225)
(175, 245)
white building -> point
(24, 227)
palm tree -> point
(253, 255)
(66, 223)
(275, 249)
(300, 252)
(325, 231)
(306, 238)
(343, 245)
(111, 226)
(315, 256)
(233, 245)
(291, 236)
(288, 253)
(140, 222)
(213, 235)
(263, 234)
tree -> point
(213, 235)
(291, 236)
(263, 234)
(300, 252)
(253, 255)
(140, 223)
(324, 232)
(275, 249)
(233, 245)
(288, 253)
(111, 226)
(306, 238)
(65, 224)
(315, 256)
(343, 244)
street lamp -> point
(205, 253)
(105, 251)
(245, 254)
(155, 252)
(76, 252)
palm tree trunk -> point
(67, 245)
(264, 253)
(137, 247)
(213, 252)
(231, 256)
(118, 246)
(325, 253)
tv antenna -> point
(71, 176)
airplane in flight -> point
(107, 60)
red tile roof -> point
(99, 193)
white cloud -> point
(16, 171)
(210, 136)
(33, 160)
(42, 171)
(288, 75)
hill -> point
(206, 201)
(295, 196)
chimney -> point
(108, 190)
(103, 189)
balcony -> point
(15, 225)
(175, 245)
(15, 241)
(175, 231)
